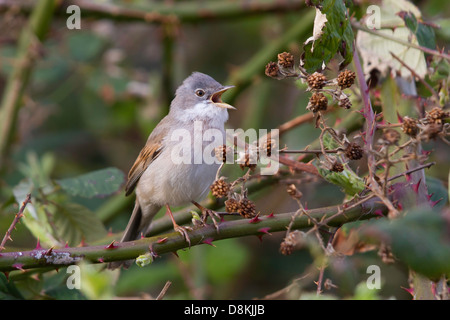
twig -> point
(164, 290)
(18, 78)
(430, 88)
(369, 115)
(358, 26)
(310, 151)
(319, 281)
(424, 166)
(163, 12)
(59, 257)
(15, 221)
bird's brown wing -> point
(150, 152)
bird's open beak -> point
(216, 98)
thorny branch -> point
(15, 221)
(171, 242)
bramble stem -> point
(56, 258)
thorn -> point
(399, 206)
(408, 177)
(255, 219)
(378, 212)
(363, 138)
(66, 245)
(265, 230)
(426, 153)
(162, 240)
(416, 186)
(175, 253)
(409, 290)
(35, 277)
(209, 241)
(382, 122)
(142, 236)
(399, 118)
(82, 243)
(360, 111)
(429, 196)
(18, 266)
(48, 252)
(271, 215)
(38, 245)
(433, 203)
(152, 252)
(111, 245)
(101, 260)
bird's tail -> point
(137, 227)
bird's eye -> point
(200, 92)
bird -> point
(169, 171)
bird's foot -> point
(211, 213)
(184, 232)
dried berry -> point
(386, 254)
(267, 147)
(223, 153)
(232, 205)
(410, 127)
(344, 102)
(272, 70)
(294, 240)
(346, 79)
(247, 208)
(316, 81)
(293, 192)
(286, 60)
(354, 151)
(247, 161)
(436, 115)
(430, 131)
(391, 136)
(220, 188)
(337, 167)
(317, 102)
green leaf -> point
(350, 182)
(419, 239)
(99, 183)
(35, 215)
(97, 283)
(85, 46)
(439, 192)
(376, 51)
(410, 20)
(226, 261)
(75, 222)
(332, 34)
(8, 290)
(424, 33)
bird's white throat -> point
(205, 110)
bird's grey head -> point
(199, 88)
